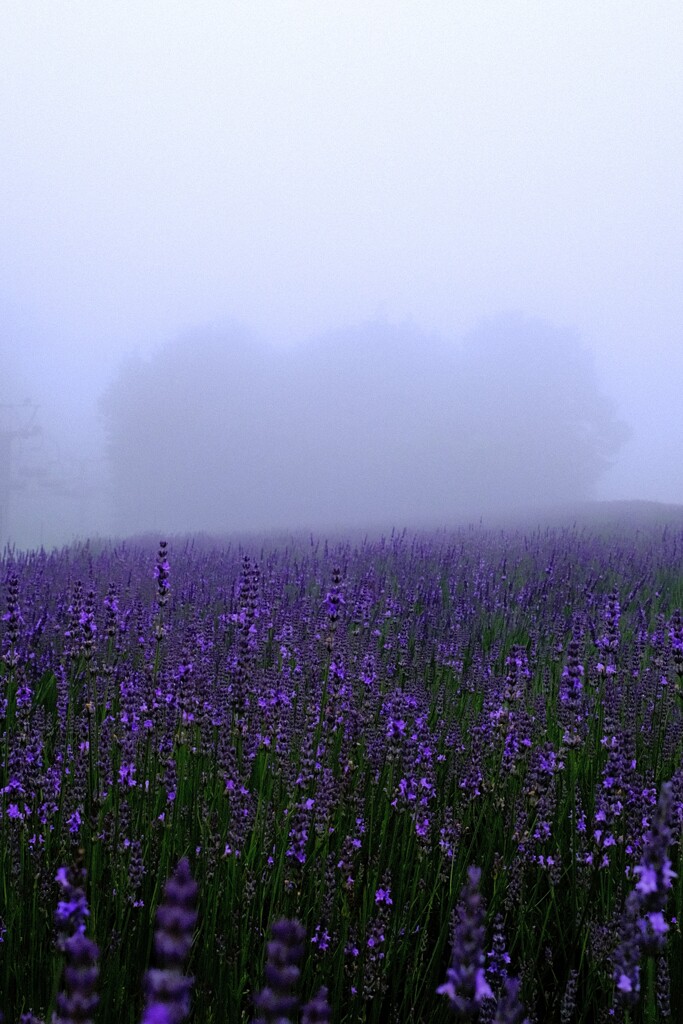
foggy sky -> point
(300, 167)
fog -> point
(291, 265)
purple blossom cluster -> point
(167, 988)
(466, 986)
(336, 733)
(644, 923)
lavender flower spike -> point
(656, 874)
(276, 1002)
(626, 962)
(466, 985)
(72, 907)
(78, 1000)
(644, 926)
(318, 1010)
(167, 987)
(510, 1010)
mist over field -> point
(303, 266)
(372, 425)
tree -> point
(543, 429)
(374, 425)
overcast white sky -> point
(301, 165)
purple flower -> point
(648, 879)
(396, 728)
(127, 775)
(277, 1002)
(676, 637)
(318, 1010)
(644, 926)
(571, 689)
(78, 1000)
(158, 1013)
(72, 908)
(161, 573)
(75, 821)
(655, 874)
(466, 985)
(166, 985)
(498, 956)
(334, 599)
(510, 1010)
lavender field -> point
(426, 778)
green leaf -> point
(46, 692)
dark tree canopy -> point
(369, 425)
